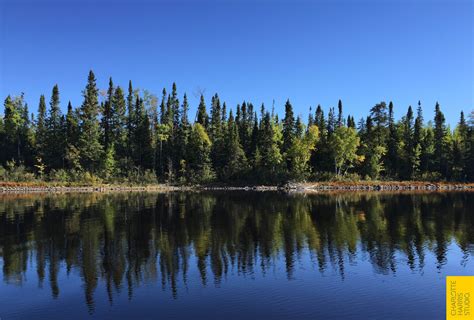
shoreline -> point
(303, 187)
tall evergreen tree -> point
(72, 138)
(392, 159)
(89, 146)
(235, 163)
(289, 131)
(340, 117)
(130, 115)
(118, 123)
(107, 115)
(439, 141)
(54, 147)
(12, 123)
(202, 117)
(331, 124)
(41, 133)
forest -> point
(131, 136)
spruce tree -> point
(12, 123)
(235, 164)
(392, 159)
(72, 139)
(54, 147)
(331, 124)
(289, 131)
(41, 137)
(130, 118)
(408, 149)
(89, 146)
(340, 117)
(107, 115)
(202, 117)
(119, 123)
(440, 156)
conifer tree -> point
(340, 117)
(107, 115)
(41, 137)
(235, 160)
(54, 147)
(408, 145)
(392, 159)
(202, 117)
(310, 117)
(12, 122)
(331, 124)
(119, 123)
(439, 141)
(130, 119)
(72, 156)
(89, 146)
(289, 131)
(268, 158)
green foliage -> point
(200, 168)
(16, 172)
(138, 139)
(344, 145)
(89, 146)
(300, 153)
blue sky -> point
(313, 52)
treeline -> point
(132, 136)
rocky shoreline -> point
(288, 187)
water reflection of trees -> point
(127, 239)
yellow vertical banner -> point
(459, 297)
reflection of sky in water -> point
(375, 282)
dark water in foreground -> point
(231, 255)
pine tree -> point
(12, 123)
(321, 157)
(469, 166)
(130, 118)
(408, 145)
(54, 147)
(119, 123)
(183, 135)
(202, 117)
(142, 143)
(460, 149)
(310, 117)
(418, 126)
(107, 115)
(268, 158)
(216, 135)
(392, 159)
(439, 141)
(427, 162)
(163, 107)
(340, 117)
(289, 131)
(41, 137)
(89, 146)
(235, 160)
(331, 124)
(72, 139)
(378, 115)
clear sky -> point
(313, 52)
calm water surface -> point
(239, 255)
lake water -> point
(233, 255)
